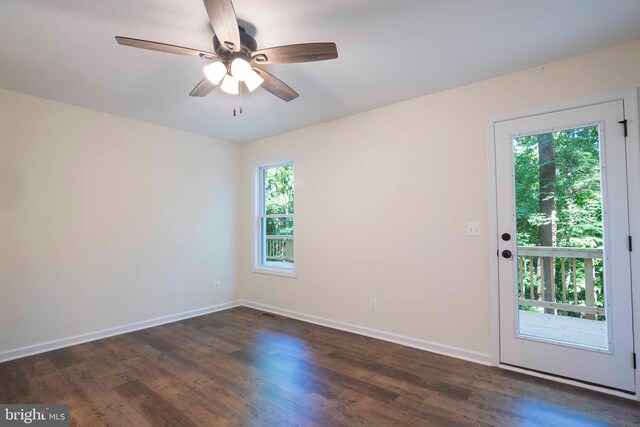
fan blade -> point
(163, 47)
(276, 86)
(204, 88)
(224, 23)
(307, 52)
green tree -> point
(548, 228)
(573, 168)
(279, 200)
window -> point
(275, 250)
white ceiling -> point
(390, 50)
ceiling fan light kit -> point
(241, 70)
(237, 57)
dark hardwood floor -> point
(238, 367)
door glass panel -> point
(561, 282)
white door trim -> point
(631, 107)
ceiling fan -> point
(236, 56)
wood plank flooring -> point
(238, 367)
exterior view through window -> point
(276, 216)
(560, 236)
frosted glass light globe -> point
(215, 72)
(230, 85)
(240, 69)
(253, 80)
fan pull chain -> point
(240, 109)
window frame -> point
(261, 265)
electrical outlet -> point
(216, 285)
(373, 304)
(473, 229)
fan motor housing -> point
(248, 44)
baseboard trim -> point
(17, 353)
(445, 350)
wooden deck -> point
(592, 333)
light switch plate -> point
(473, 229)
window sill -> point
(276, 272)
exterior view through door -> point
(563, 239)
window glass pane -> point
(278, 190)
(279, 226)
(277, 208)
(278, 245)
(560, 237)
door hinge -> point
(624, 123)
(630, 244)
(634, 361)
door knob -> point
(506, 237)
(506, 253)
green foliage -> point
(279, 200)
(578, 197)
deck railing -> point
(279, 248)
(576, 273)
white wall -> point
(105, 221)
(382, 199)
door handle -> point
(506, 253)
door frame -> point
(631, 107)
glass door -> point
(565, 290)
